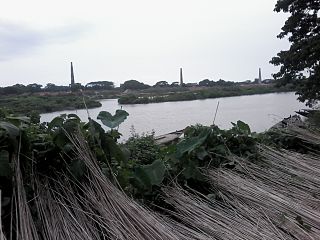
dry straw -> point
(221, 220)
(2, 237)
(284, 187)
(25, 228)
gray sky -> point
(146, 40)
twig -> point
(85, 105)
(215, 115)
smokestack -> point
(181, 78)
(260, 78)
(72, 75)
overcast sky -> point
(146, 40)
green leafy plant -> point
(112, 121)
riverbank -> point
(52, 102)
(199, 93)
(26, 103)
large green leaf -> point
(191, 170)
(151, 174)
(18, 120)
(112, 121)
(242, 127)
(56, 122)
(5, 168)
(114, 150)
(190, 144)
(11, 129)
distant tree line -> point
(50, 87)
(108, 85)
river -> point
(259, 111)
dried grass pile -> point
(307, 134)
(220, 220)
(2, 237)
(283, 187)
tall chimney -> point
(260, 78)
(72, 75)
(181, 78)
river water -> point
(259, 111)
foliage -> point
(162, 84)
(112, 121)
(28, 105)
(143, 149)
(203, 148)
(133, 85)
(150, 175)
(100, 85)
(300, 64)
(187, 95)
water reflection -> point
(259, 111)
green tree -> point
(133, 85)
(15, 89)
(300, 64)
(206, 83)
(162, 84)
(34, 87)
(100, 85)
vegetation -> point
(133, 85)
(100, 85)
(67, 160)
(24, 104)
(300, 64)
(212, 92)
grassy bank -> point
(198, 93)
(24, 104)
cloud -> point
(19, 39)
